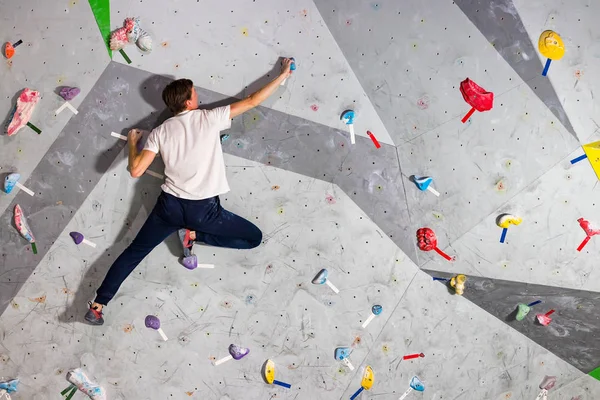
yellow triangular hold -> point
(592, 151)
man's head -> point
(180, 95)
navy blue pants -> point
(213, 224)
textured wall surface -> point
(320, 201)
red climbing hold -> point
(476, 97)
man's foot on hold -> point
(186, 237)
(94, 316)
(190, 262)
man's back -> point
(189, 144)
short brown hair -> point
(177, 93)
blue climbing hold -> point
(423, 182)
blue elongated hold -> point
(577, 159)
(355, 395)
(440, 279)
(423, 182)
(503, 235)
(546, 67)
(534, 303)
(282, 384)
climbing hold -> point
(321, 278)
(592, 151)
(375, 311)
(22, 111)
(424, 183)
(589, 232)
(552, 47)
(504, 221)
(268, 374)
(458, 283)
(548, 382)
(342, 354)
(292, 68)
(153, 322)
(415, 384)
(235, 353)
(78, 238)
(9, 49)
(80, 380)
(523, 309)
(12, 180)
(544, 319)
(348, 117)
(118, 39)
(10, 386)
(366, 383)
(427, 241)
(23, 227)
(69, 93)
(476, 97)
(144, 42)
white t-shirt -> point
(190, 146)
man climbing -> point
(190, 147)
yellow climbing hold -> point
(245, 32)
(551, 45)
(506, 220)
(458, 283)
(592, 151)
(368, 378)
(269, 372)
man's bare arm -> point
(138, 162)
(261, 95)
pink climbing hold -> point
(314, 107)
(22, 111)
(330, 199)
(544, 319)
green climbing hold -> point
(595, 373)
(522, 311)
(101, 10)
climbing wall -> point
(320, 201)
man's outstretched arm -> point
(261, 95)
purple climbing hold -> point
(190, 262)
(238, 352)
(69, 93)
(152, 321)
(77, 237)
